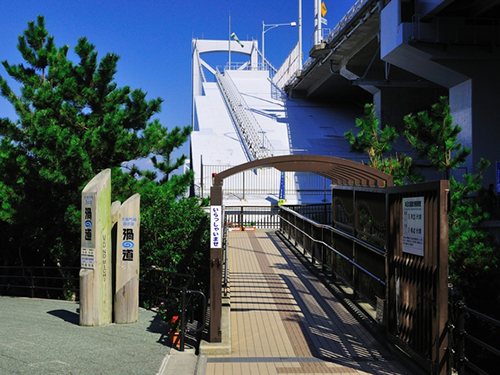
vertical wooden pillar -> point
(216, 262)
(127, 261)
(96, 266)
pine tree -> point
(73, 121)
(377, 143)
(474, 257)
(435, 138)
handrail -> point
(382, 282)
(225, 275)
(201, 323)
(461, 334)
(338, 28)
(246, 124)
(31, 277)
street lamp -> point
(269, 27)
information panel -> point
(413, 225)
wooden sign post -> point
(96, 266)
(127, 261)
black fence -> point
(475, 348)
(262, 217)
(40, 282)
(170, 292)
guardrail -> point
(361, 268)
(246, 124)
(260, 217)
(460, 316)
(39, 281)
(328, 35)
(158, 286)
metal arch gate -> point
(339, 171)
(418, 314)
(416, 294)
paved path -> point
(43, 337)
(284, 321)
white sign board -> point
(413, 225)
(216, 227)
(87, 258)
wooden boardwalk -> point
(285, 321)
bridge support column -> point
(393, 103)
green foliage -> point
(74, 121)
(435, 138)
(474, 257)
(376, 143)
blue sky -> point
(153, 38)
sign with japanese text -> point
(413, 225)
(216, 227)
(128, 236)
(126, 299)
(87, 254)
(96, 306)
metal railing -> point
(328, 35)
(260, 217)
(158, 286)
(39, 281)
(245, 122)
(319, 244)
(460, 316)
(263, 182)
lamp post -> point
(270, 27)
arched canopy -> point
(340, 171)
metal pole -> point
(229, 41)
(300, 35)
(183, 317)
(263, 48)
(317, 28)
(461, 337)
(201, 175)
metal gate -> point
(404, 231)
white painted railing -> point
(288, 69)
(257, 146)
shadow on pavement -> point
(67, 316)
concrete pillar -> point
(96, 267)
(394, 103)
(127, 261)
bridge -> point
(401, 56)
(284, 320)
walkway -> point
(43, 337)
(284, 321)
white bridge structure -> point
(400, 55)
(241, 114)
